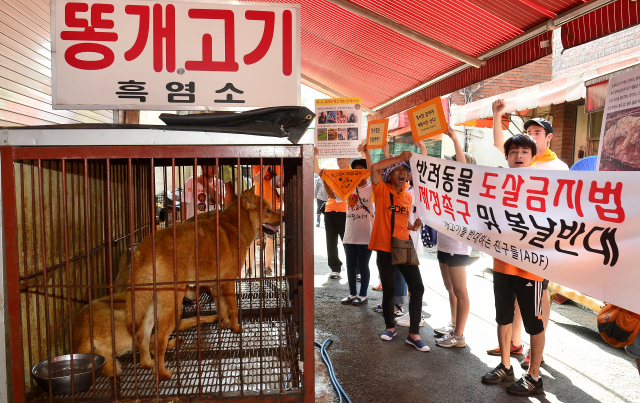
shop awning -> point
(550, 93)
(346, 54)
(597, 86)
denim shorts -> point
(634, 349)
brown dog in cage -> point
(100, 323)
(251, 207)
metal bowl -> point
(61, 373)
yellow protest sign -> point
(427, 119)
(344, 181)
(377, 133)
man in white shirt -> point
(539, 129)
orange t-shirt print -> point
(381, 234)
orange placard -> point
(377, 133)
(344, 181)
(427, 119)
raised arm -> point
(456, 144)
(385, 150)
(498, 108)
(421, 147)
(366, 154)
(316, 167)
(376, 169)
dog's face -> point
(252, 203)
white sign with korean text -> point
(619, 148)
(177, 55)
(338, 127)
(578, 229)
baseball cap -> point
(544, 123)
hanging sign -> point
(427, 119)
(377, 133)
(578, 229)
(176, 55)
(337, 127)
(619, 148)
(344, 181)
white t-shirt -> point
(416, 236)
(447, 244)
(553, 165)
(359, 222)
(204, 202)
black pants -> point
(414, 283)
(334, 223)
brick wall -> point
(525, 76)
(564, 123)
(607, 50)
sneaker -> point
(451, 340)
(526, 386)
(347, 300)
(514, 350)
(397, 318)
(334, 274)
(418, 344)
(498, 375)
(360, 301)
(406, 322)
(388, 335)
(317, 225)
(358, 277)
(444, 330)
(527, 360)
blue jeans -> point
(358, 258)
(400, 297)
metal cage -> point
(73, 217)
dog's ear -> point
(249, 199)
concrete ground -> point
(579, 366)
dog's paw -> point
(165, 374)
(150, 364)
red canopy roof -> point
(344, 53)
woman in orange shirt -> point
(388, 178)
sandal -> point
(399, 311)
(377, 308)
(377, 287)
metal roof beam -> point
(408, 32)
(328, 91)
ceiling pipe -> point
(408, 32)
(328, 91)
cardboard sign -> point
(344, 181)
(427, 120)
(174, 55)
(578, 229)
(377, 133)
(337, 126)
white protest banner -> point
(619, 148)
(578, 229)
(338, 127)
(178, 55)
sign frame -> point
(437, 101)
(296, 63)
(385, 134)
